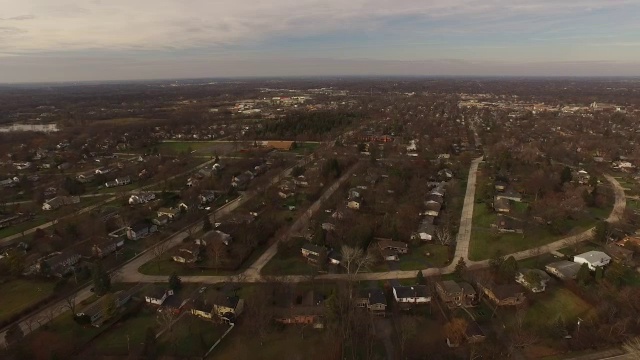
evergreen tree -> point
(101, 280)
(565, 175)
(601, 231)
(206, 224)
(599, 273)
(461, 267)
(175, 283)
(584, 275)
(420, 278)
(509, 268)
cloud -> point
(74, 25)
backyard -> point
(296, 342)
(19, 294)
(191, 337)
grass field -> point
(133, 330)
(554, 304)
(417, 259)
(486, 241)
(295, 265)
(191, 337)
(19, 294)
(288, 343)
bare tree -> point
(355, 260)
(443, 235)
(70, 302)
(406, 329)
(159, 249)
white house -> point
(158, 296)
(355, 205)
(536, 287)
(416, 294)
(593, 258)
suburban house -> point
(60, 201)
(170, 212)
(354, 193)
(593, 259)
(620, 254)
(141, 198)
(118, 182)
(500, 186)
(335, 257)
(389, 255)
(432, 208)
(161, 220)
(506, 224)
(398, 247)
(207, 197)
(95, 311)
(158, 295)
(173, 304)
(313, 253)
(60, 264)
(241, 181)
(217, 236)
(353, 204)
(416, 294)
(305, 309)
(228, 308)
(373, 300)
(510, 194)
(140, 230)
(106, 247)
(426, 230)
(563, 269)
(533, 279)
(582, 177)
(449, 292)
(187, 254)
(501, 205)
(503, 295)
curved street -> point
(252, 274)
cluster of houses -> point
(121, 181)
(502, 204)
(432, 206)
(60, 201)
(241, 181)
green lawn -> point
(164, 265)
(303, 148)
(281, 265)
(417, 259)
(287, 343)
(486, 241)
(114, 341)
(554, 304)
(19, 294)
(191, 337)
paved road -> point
(8, 239)
(466, 218)
(462, 248)
(130, 273)
(35, 320)
(253, 272)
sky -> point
(88, 40)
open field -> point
(191, 337)
(19, 294)
(127, 333)
(485, 241)
(294, 341)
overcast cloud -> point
(180, 34)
